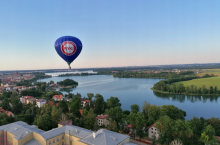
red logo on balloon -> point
(68, 48)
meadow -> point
(212, 81)
(209, 71)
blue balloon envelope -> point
(68, 47)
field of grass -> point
(212, 81)
(210, 71)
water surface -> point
(135, 91)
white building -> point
(102, 120)
(152, 130)
(40, 102)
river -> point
(135, 91)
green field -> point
(210, 71)
(213, 81)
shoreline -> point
(184, 93)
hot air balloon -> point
(68, 47)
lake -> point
(135, 91)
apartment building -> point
(20, 133)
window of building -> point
(67, 138)
(155, 129)
(63, 137)
(152, 132)
(54, 141)
(57, 139)
(151, 128)
(62, 143)
(1, 135)
(49, 143)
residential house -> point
(7, 88)
(9, 113)
(152, 130)
(51, 103)
(82, 101)
(25, 98)
(40, 102)
(102, 120)
(85, 102)
(58, 97)
(31, 100)
(20, 133)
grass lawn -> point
(210, 71)
(213, 81)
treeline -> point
(161, 75)
(170, 86)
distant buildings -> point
(20, 133)
(40, 102)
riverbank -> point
(184, 93)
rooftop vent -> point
(113, 138)
(95, 134)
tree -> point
(28, 118)
(172, 111)
(135, 108)
(75, 105)
(166, 129)
(100, 104)
(126, 112)
(44, 122)
(55, 116)
(145, 108)
(4, 119)
(17, 106)
(208, 135)
(90, 119)
(140, 132)
(43, 87)
(63, 106)
(90, 96)
(115, 113)
(51, 82)
(153, 113)
(5, 104)
(113, 102)
(112, 125)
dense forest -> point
(68, 82)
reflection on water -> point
(135, 91)
(183, 98)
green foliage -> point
(31, 92)
(90, 119)
(90, 96)
(75, 105)
(55, 116)
(5, 104)
(215, 123)
(113, 102)
(28, 118)
(112, 125)
(17, 106)
(100, 104)
(68, 82)
(140, 132)
(135, 108)
(153, 113)
(115, 113)
(136, 119)
(4, 119)
(126, 112)
(63, 106)
(208, 134)
(172, 111)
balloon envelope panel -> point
(68, 47)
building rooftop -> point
(104, 137)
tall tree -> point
(135, 108)
(90, 96)
(172, 111)
(100, 104)
(115, 113)
(90, 119)
(55, 116)
(75, 105)
(113, 102)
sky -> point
(114, 33)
